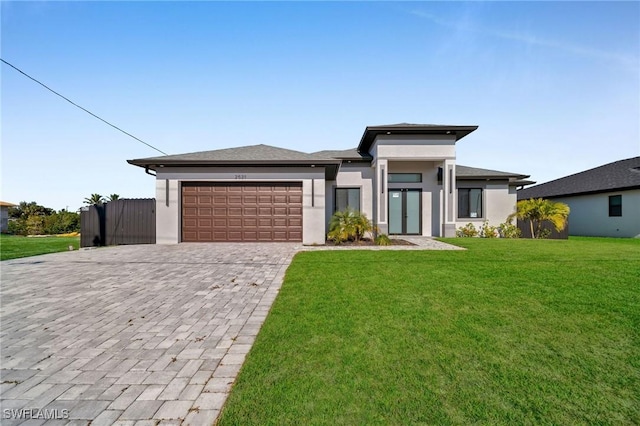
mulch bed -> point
(368, 242)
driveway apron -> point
(129, 335)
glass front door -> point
(404, 211)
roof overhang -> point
(330, 166)
(371, 132)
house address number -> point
(240, 177)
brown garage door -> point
(241, 212)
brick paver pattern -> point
(128, 335)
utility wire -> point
(78, 106)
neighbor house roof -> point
(616, 176)
(371, 132)
(5, 204)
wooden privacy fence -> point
(119, 222)
(525, 229)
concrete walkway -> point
(136, 335)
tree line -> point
(30, 218)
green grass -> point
(507, 332)
(13, 246)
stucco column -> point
(313, 210)
(449, 210)
(167, 211)
(380, 195)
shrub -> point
(17, 227)
(348, 225)
(35, 225)
(488, 231)
(509, 230)
(382, 240)
(467, 231)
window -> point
(405, 177)
(615, 205)
(347, 197)
(470, 202)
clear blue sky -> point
(554, 86)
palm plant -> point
(538, 210)
(348, 225)
(113, 197)
(94, 199)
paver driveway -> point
(132, 334)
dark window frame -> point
(404, 174)
(467, 214)
(347, 188)
(615, 207)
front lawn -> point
(506, 332)
(14, 246)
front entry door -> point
(404, 211)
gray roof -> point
(346, 154)
(371, 132)
(464, 172)
(619, 175)
(240, 154)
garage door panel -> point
(234, 222)
(241, 212)
(280, 222)
(294, 222)
(205, 222)
(279, 211)
(220, 222)
(265, 222)
(204, 235)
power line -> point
(78, 106)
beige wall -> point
(498, 202)
(589, 215)
(414, 147)
(168, 213)
(354, 175)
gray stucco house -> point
(402, 176)
(604, 201)
(4, 215)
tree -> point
(23, 210)
(113, 197)
(94, 199)
(538, 210)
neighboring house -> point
(404, 177)
(4, 215)
(604, 201)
